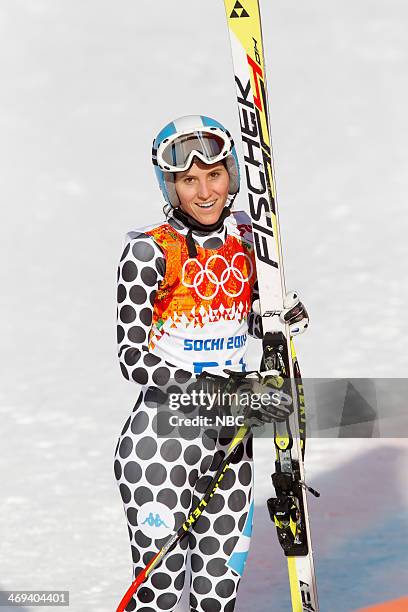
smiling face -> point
(203, 191)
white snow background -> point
(84, 88)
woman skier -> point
(185, 291)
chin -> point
(209, 219)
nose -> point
(203, 190)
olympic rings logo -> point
(194, 273)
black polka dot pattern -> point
(129, 271)
(121, 293)
(213, 243)
(143, 250)
(125, 252)
(209, 545)
(185, 499)
(155, 474)
(141, 270)
(166, 601)
(171, 450)
(192, 454)
(138, 294)
(175, 562)
(172, 482)
(132, 516)
(160, 265)
(210, 604)
(178, 476)
(160, 477)
(131, 356)
(161, 580)
(132, 472)
(167, 497)
(142, 495)
(149, 276)
(136, 334)
(237, 500)
(216, 567)
(135, 554)
(224, 525)
(139, 422)
(245, 474)
(118, 469)
(146, 448)
(216, 504)
(120, 334)
(179, 581)
(203, 525)
(161, 376)
(141, 540)
(125, 448)
(225, 588)
(125, 493)
(202, 585)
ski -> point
(288, 509)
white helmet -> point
(185, 138)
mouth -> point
(206, 204)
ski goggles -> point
(210, 145)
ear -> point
(171, 189)
(233, 174)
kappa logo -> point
(238, 11)
(154, 521)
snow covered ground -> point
(84, 87)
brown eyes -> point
(188, 180)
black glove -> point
(251, 397)
(261, 397)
